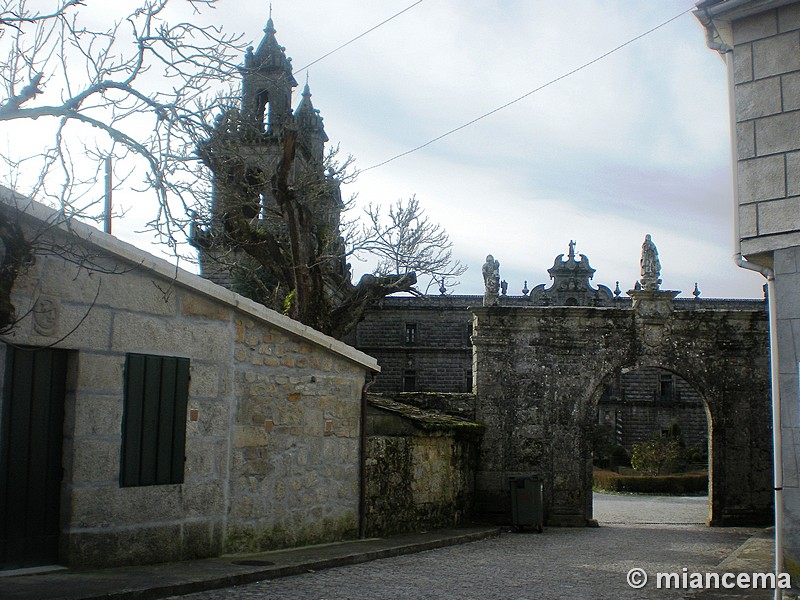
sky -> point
(635, 143)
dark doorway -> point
(31, 437)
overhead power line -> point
(358, 37)
(541, 87)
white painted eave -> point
(716, 17)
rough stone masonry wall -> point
(540, 373)
(295, 451)
(420, 469)
(272, 421)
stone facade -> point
(641, 404)
(760, 43)
(540, 373)
(552, 364)
(424, 344)
(421, 343)
(272, 418)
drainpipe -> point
(362, 461)
(769, 275)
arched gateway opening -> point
(657, 418)
(538, 370)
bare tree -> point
(153, 90)
(405, 240)
(137, 88)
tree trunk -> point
(16, 251)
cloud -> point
(636, 143)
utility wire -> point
(359, 36)
(541, 87)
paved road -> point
(614, 509)
(583, 563)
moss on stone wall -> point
(428, 420)
(420, 468)
(242, 539)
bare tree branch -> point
(405, 241)
(153, 90)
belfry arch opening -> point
(263, 106)
(657, 407)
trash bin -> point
(526, 501)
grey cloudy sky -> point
(636, 143)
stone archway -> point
(537, 368)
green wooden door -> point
(30, 456)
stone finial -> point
(617, 291)
(651, 267)
(504, 287)
(696, 292)
(571, 283)
(491, 280)
(442, 289)
(525, 289)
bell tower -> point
(267, 84)
(244, 150)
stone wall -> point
(272, 431)
(766, 55)
(639, 421)
(295, 448)
(420, 468)
(766, 80)
(787, 287)
(760, 42)
(541, 371)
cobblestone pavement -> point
(590, 563)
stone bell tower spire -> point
(310, 129)
(244, 151)
(267, 84)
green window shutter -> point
(154, 420)
(179, 419)
(132, 420)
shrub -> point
(656, 455)
(607, 452)
(676, 485)
(620, 458)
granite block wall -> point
(273, 415)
